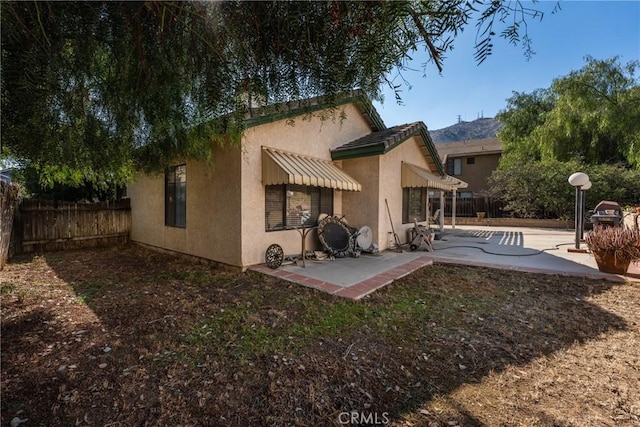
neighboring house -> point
(284, 176)
(471, 161)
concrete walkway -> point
(522, 249)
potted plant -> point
(614, 248)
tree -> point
(592, 114)
(524, 113)
(93, 90)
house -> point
(283, 176)
(472, 161)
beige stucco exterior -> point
(213, 206)
(386, 172)
(225, 200)
(311, 137)
(225, 212)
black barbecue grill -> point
(607, 213)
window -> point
(414, 204)
(454, 166)
(295, 205)
(465, 195)
(471, 160)
(175, 196)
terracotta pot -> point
(607, 263)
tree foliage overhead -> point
(592, 115)
(92, 90)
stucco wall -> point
(391, 187)
(361, 208)
(312, 137)
(213, 203)
(381, 176)
(226, 201)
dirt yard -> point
(128, 337)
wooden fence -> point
(45, 225)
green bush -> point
(541, 189)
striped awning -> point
(282, 167)
(415, 176)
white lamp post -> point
(579, 180)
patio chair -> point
(435, 219)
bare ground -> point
(126, 337)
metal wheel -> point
(274, 256)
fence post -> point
(453, 209)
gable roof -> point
(383, 141)
(291, 109)
(473, 147)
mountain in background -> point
(464, 131)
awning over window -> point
(281, 167)
(415, 176)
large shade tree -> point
(591, 115)
(92, 90)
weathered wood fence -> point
(46, 225)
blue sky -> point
(601, 29)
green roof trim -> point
(374, 145)
(375, 150)
(372, 150)
(428, 142)
(289, 110)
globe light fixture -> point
(580, 180)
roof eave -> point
(358, 152)
(383, 148)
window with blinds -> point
(414, 204)
(289, 206)
(175, 196)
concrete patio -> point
(523, 249)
